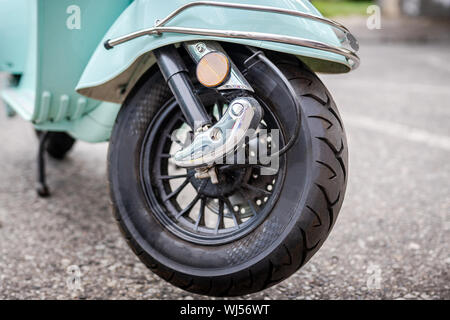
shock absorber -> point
(177, 77)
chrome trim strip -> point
(351, 56)
(332, 23)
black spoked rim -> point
(197, 210)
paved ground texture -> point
(390, 241)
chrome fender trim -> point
(160, 28)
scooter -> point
(227, 161)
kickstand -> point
(42, 188)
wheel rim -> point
(196, 210)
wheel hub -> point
(229, 182)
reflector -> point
(213, 69)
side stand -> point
(42, 188)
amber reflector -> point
(213, 69)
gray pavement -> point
(390, 241)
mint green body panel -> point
(14, 14)
(51, 58)
(67, 73)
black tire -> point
(303, 216)
(58, 144)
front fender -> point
(111, 74)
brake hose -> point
(273, 67)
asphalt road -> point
(390, 241)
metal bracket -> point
(222, 139)
(198, 49)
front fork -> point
(177, 77)
(244, 112)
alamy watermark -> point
(374, 19)
(73, 21)
(375, 277)
(73, 280)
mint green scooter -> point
(227, 162)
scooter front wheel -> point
(250, 231)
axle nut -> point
(237, 109)
(216, 134)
